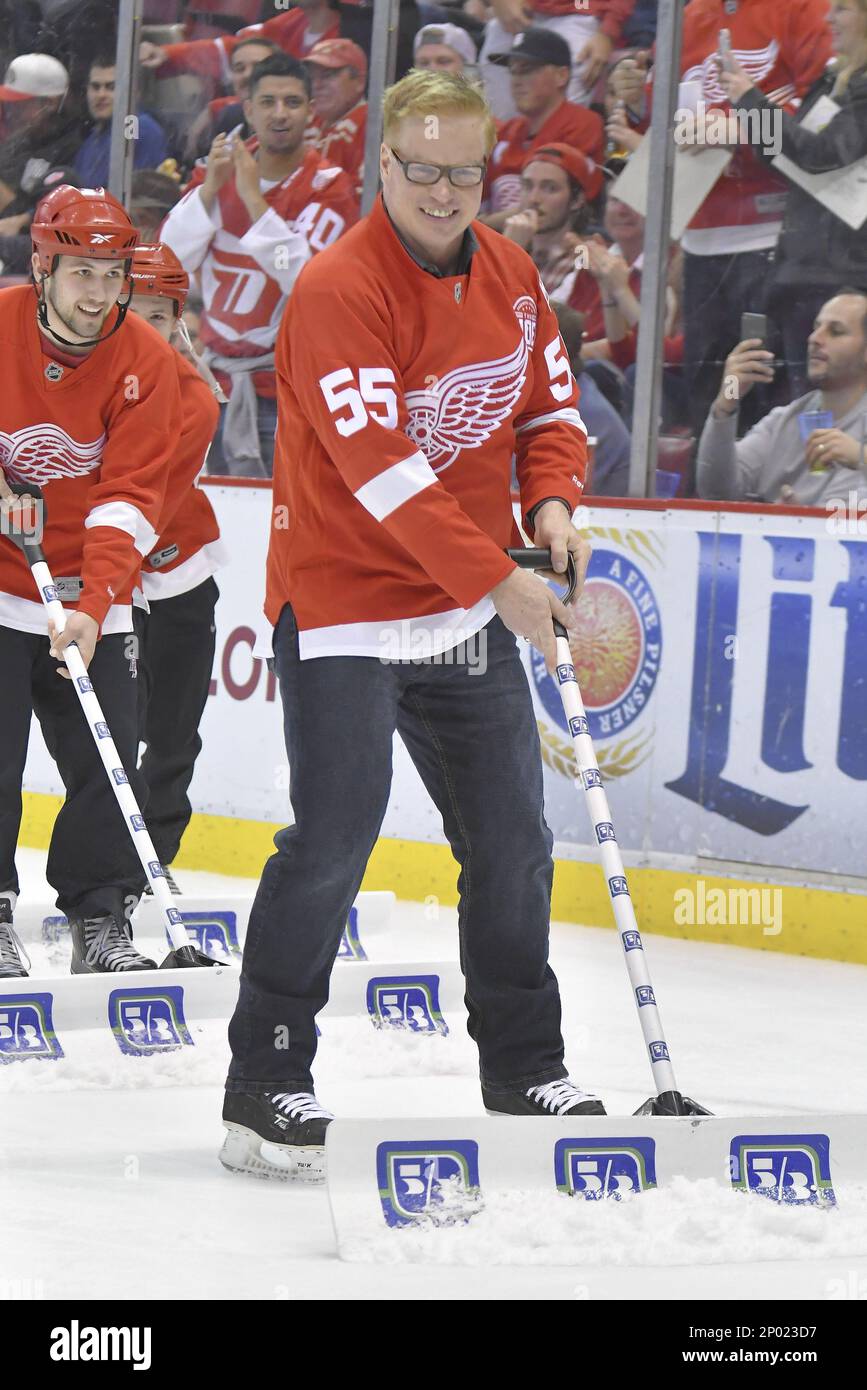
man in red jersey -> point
(338, 76)
(592, 29)
(225, 113)
(539, 66)
(89, 414)
(177, 633)
(415, 359)
(729, 246)
(296, 31)
(250, 220)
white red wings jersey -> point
(188, 546)
(785, 46)
(402, 399)
(343, 143)
(569, 124)
(248, 268)
(98, 439)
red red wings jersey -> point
(570, 124)
(785, 46)
(403, 398)
(343, 143)
(247, 269)
(187, 548)
(612, 14)
(97, 439)
(210, 57)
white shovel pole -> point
(589, 778)
(111, 761)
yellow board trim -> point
(820, 922)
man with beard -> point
(790, 456)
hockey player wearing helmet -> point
(89, 414)
(177, 635)
(82, 250)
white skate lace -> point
(11, 950)
(301, 1105)
(559, 1096)
(108, 945)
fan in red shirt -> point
(250, 220)
(226, 113)
(539, 65)
(89, 413)
(296, 31)
(338, 77)
(785, 46)
(176, 632)
(591, 29)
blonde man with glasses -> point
(414, 359)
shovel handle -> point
(535, 558)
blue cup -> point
(810, 420)
(666, 483)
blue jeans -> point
(472, 735)
(613, 443)
(219, 465)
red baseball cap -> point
(577, 165)
(338, 53)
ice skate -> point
(561, 1097)
(102, 945)
(275, 1135)
(11, 949)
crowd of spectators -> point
(249, 143)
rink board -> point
(724, 706)
(386, 1175)
(156, 1011)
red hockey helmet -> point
(86, 222)
(156, 270)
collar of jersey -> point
(469, 246)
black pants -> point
(91, 861)
(473, 738)
(177, 642)
(717, 290)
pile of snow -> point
(686, 1223)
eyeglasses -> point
(458, 175)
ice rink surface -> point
(111, 1186)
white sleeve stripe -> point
(569, 416)
(123, 516)
(389, 490)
